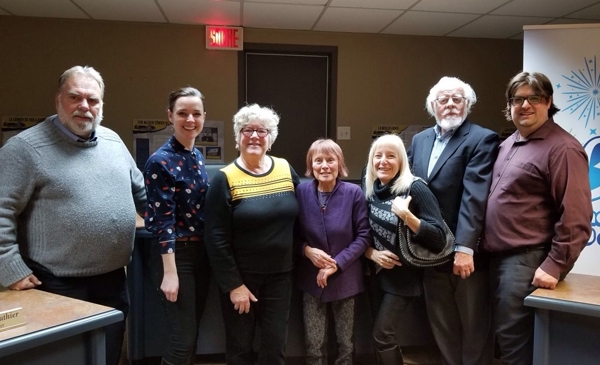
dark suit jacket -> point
(461, 178)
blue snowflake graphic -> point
(584, 91)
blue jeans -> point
(271, 313)
(108, 289)
(183, 316)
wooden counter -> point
(58, 328)
(579, 289)
(567, 321)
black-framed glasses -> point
(531, 99)
(261, 132)
(443, 100)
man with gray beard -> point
(455, 158)
(69, 192)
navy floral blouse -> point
(176, 184)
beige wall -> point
(382, 79)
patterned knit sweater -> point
(68, 206)
(403, 280)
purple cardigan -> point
(342, 230)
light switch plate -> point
(343, 133)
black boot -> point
(389, 357)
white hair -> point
(255, 113)
(85, 70)
(449, 83)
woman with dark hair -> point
(176, 185)
(387, 180)
(332, 233)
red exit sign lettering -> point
(227, 38)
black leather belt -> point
(520, 250)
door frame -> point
(330, 52)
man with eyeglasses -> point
(538, 214)
(455, 157)
(69, 193)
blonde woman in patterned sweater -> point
(387, 180)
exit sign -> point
(228, 38)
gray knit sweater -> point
(69, 206)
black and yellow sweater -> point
(249, 222)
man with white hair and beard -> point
(69, 192)
(455, 158)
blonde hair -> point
(405, 176)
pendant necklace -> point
(324, 199)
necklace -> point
(324, 199)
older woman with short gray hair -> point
(250, 214)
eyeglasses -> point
(455, 99)
(261, 132)
(519, 100)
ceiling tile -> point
(416, 17)
(495, 26)
(373, 4)
(275, 16)
(593, 12)
(573, 21)
(130, 10)
(544, 8)
(202, 12)
(292, 2)
(42, 8)
(462, 6)
(519, 37)
(356, 20)
(428, 23)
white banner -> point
(569, 55)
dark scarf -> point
(384, 223)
